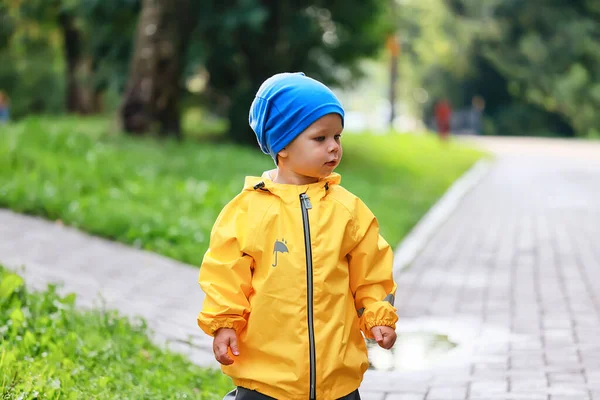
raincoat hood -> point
(290, 193)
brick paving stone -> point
(447, 393)
(405, 396)
(364, 395)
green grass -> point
(164, 196)
(49, 350)
(401, 176)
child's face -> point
(317, 151)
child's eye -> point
(338, 137)
(320, 138)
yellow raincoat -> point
(298, 271)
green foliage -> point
(30, 64)
(247, 43)
(400, 177)
(536, 65)
(165, 196)
(50, 350)
(517, 117)
(520, 56)
(110, 28)
(436, 59)
(160, 196)
(7, 25)
(239, 43)
(548, 53)
(32, 49)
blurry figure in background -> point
(475, 115)
(443, 113)
(4, 108)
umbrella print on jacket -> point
(279, 247)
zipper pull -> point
(304, 198)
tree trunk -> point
(78, 99)
(151, 98)
(393, 83)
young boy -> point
(296, 267)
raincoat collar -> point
(290, 193)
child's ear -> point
(283, 153)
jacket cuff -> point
(236, 324)
(380, 313)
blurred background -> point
(502, 67)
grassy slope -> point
(165, 196)
(49, 350)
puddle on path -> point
(412, 351)
(443, 342)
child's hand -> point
(224, 339)
(385, 336)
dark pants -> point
(246, 394)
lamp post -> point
(393, 47)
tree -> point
(63, 14)
(79, 98)
(248, 41)
(7, 25)
(463, 48)
(109, 27)
(94, 41)
(29, 57)
(153, 89)
(548, 52)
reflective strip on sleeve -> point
(389, 298)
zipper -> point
(305, 205)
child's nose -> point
(334, 147)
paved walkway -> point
(512, 279)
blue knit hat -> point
(285, 105)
